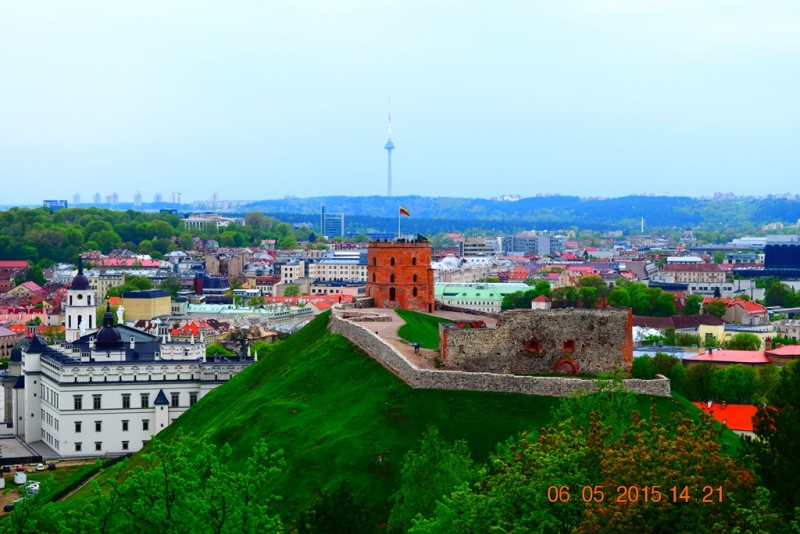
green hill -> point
(338, 414)
(422, 328)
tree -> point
(778, 294)
(717, 308)
(183, 485)
(432, 471)
(292, 291)
(717, 293)
(643, 368)
(699, 379)
(744, 341)
(215, 349)
(619, 298)
(693, 305)
(677, 379)
(588, 296)
(172, 284)
(737, 384)
(777, 447)
(335, 511)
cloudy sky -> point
(288, 97)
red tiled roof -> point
(541, 298)
(658, 323)
(787, 351)
(753, 308)
(34, 288)
(13, 264)
(734, 416)
(732, 356)
(125, 262)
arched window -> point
(392, 294)
(414, 291)
(70, 300)
(69, 321)
(415, 278)
(89, 300)
(374, 260)
(373, 277)
(392, 262)
(391, 279)
(532, 345)
(569, 345)
(90, 321)
(414, 261)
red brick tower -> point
(399, 274)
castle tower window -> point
(532, 345)
(374, 261)
(414, 291)
(392, 294)
(391, 280)
(373, 277)
(392, 262)
(569, 345)
(415, 278)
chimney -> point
(723, 405)
(710, 350)
(768, 343)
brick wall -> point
(392, 360)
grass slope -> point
(333, 410)
(420, 328)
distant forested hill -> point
(542, 212)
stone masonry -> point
(394, 361)
(542, 342)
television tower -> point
(389, 147)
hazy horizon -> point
(593, 99)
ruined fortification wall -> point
(542, 342)
(390, 358)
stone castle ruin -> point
(529, 342)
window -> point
(124, 445)
(391, 279)
(414, 292)
(192, 398)
(98, 426)
(78, 401)
(98, 445)
(569, 345)
(174, 398)
(77, 427)
(413, 261)
(124, 426)
(145, 400)
(78, 446)
(392, 262)
(145, 424)
(96, 401)
(532, 345)
(415, 278)
(126, 401)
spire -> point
(389, 147)
(80, 258)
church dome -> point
(80, 282)
(108, 337)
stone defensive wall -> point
(542, 342)
(380, 350)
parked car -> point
(8, 508)
(6, 469)
(51, 467)
(40, 467)
(20, 467)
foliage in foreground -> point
(180, 486)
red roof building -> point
(725, 357)
(737, 417)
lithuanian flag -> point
(404, 211)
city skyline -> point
(591, 99)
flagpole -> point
(398, 223)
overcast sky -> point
(270, 98)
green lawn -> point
(420, 328)
(333, 411)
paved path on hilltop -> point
(388, 332)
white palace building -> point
(108, 391)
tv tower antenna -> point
(389, 147)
